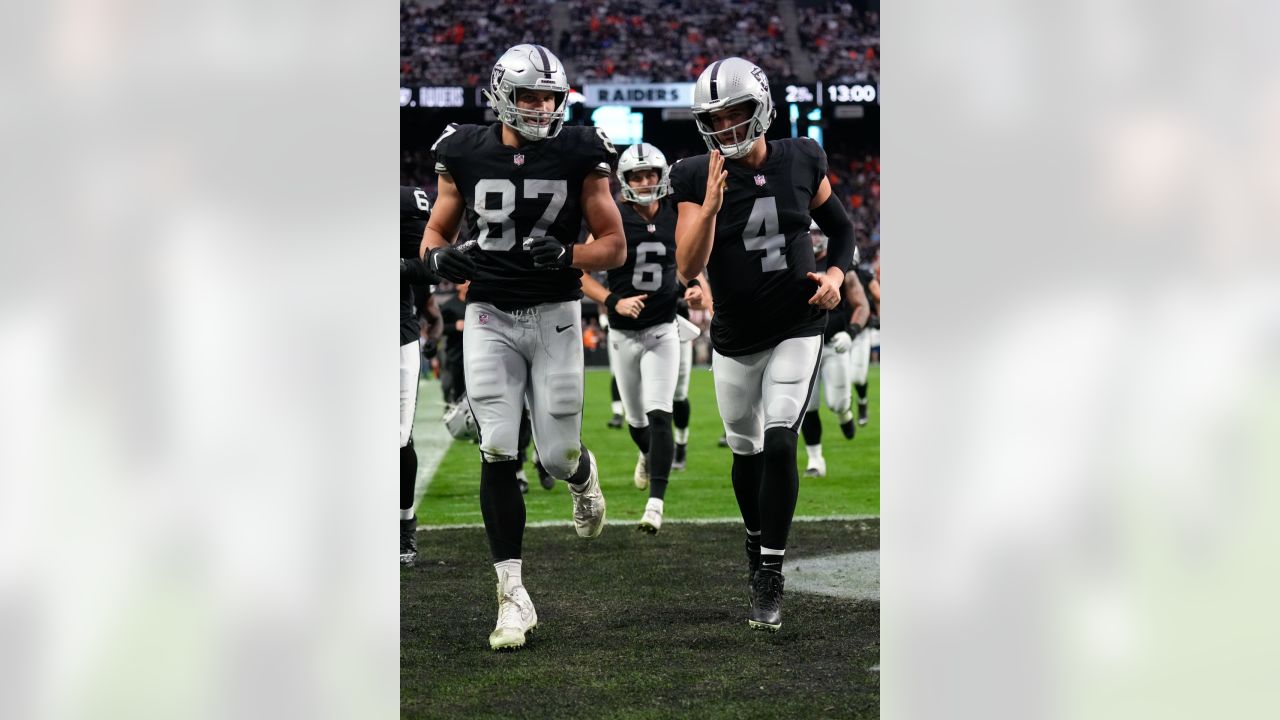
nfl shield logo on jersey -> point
(519, 159)
(652, 228)
(483, 318)
(760, 180)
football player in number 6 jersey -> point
(644, 343)
(744, 211)
(524, 186)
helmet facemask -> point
(647, 194)
(533, 125)
(742, 135)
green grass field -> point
(639, 626)
(703, 490)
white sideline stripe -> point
(430, 438)
(668, 521)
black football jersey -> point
(512, 194)
(415, 210)
(650, 267)
(761, 248)
(865, 277)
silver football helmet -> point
(531, 67)
(643, 156)
(728, 82)
(818, 237)
(459, 421)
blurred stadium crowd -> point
(446, 42)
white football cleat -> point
(817, 467)
(651, 521)
(588, 505)
(642, 472)
(516, 617)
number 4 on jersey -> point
(761, 233)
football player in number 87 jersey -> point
(524, 186)
(744, 211)
(644, 347)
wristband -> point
(611, 302)
(694, 283)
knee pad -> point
(561, 462)
(741, 445)
(791, 380)
(779, 445)
(840, 402)
(564, 394)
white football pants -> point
(764, 390)
(532, 355)
(646, 364)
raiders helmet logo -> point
(759, 75)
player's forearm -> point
(693, 248)
(594, 290)
(838, 228)
(857, 300)
(608, 251)
(431, 239)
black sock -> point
(641, 437)
(662, 449)
(748, 470)
(779, 489)
(680, 413)
(502, 506)
(753, 550)
(862, 392)
(613, 390)
(583, 473)
(524, 436)
(811, 426)
(408, 475)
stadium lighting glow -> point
(623, 126)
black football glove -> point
(451, 264)
(429, 348)
(549, 253)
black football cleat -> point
(766, 600)
(862, 413)
(615, 422)
(682, 452)
(408, 541)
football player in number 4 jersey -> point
(524, 186)
(747, 222)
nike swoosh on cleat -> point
(562, 329)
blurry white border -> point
(1080, 401)
(196, 472)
